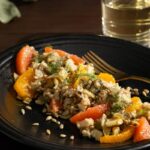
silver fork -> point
(102, 66)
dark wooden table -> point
(49, 17)
(52, 17)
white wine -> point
(127, 19)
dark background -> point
(49, 17)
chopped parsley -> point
(116, 107)
(38, 58)
(53, 67)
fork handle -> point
(143, 79)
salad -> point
(67, 87)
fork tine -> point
(89, 61)
(98, 64)
(104, 63)
(110, 69)
(102, 66)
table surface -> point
(49, 17)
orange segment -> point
(107, 77)
(21, 85)
(121, 137)
(92, 112)
(61, 53)
(23, 58)
(48, 49)
(77, 60)
(142, 132)
(58, 51)
(135, 105)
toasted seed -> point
(15, 76)
(28, 107)
(48, 131)
(54, 120)
(48, 118)
(61, 126)
(146, 90)
(136, 91)
(72, 137)
(35, 124)
(63, 135)
(22, 111)
(58, 122)
(144, 93)
(26, 102)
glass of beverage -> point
(127, 19)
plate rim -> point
(27, 140)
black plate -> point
(128, 57)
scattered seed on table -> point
(72, 137)
(28, 107)
(48, 131)
(61, 126)
(23, 111)
(35, 124)
(63, 135)
(48, 118)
